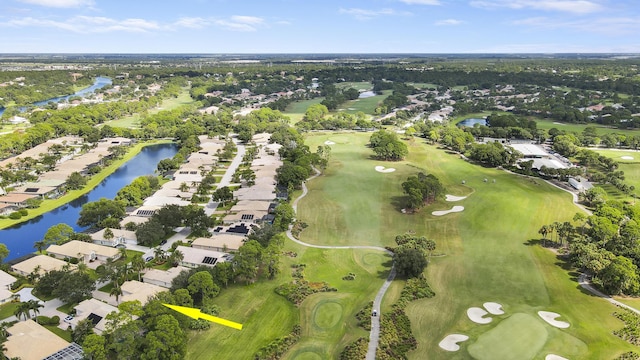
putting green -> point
(519, 337)
(327, 314)
(373, 259)
(309, 354)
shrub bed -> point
(298, 289)
(355, 350)
(631, 330)
(276, 348)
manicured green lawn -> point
(367, 105)
(521, 336)
(601, 130)
(328, 319)
(360, 85)
(486, 256)
(295, 111)
(65, 334)
(7, 309)
(132, 121)
(95, 180)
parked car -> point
(68, 318)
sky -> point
(319, 26)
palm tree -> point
(544, 231)
(582, 218)
(82, 268)
(176, 257)
(138, 264)
(116, 291)
(39, 245)
(22, 310)
(108, 234)
(35, 306)
(123, 253)
(184, 187)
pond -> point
(472, 121)
(20, 238)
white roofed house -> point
(223, 242)
(118, 237)
(94, 310)
(162, 278)
(83, 251)
(39, 263)
(6, 281)
(194, 258)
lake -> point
(20, 238)
(99, 83)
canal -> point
(21, 238)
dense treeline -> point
(25, 87)
(603, 244)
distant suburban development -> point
(403, 207)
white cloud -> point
(571, 6)
(192, 22)
(241, 23)
(613, 26)
(60, 3)
(251, 20)
(448, 22)
(364, 14)
(88, 24)
(421, 2)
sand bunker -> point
(329, 142)
(493, 308)
(382, 169)
(626, 157)
(454, 198)
(550, 317)
(450, 342)
(477, 314)
(445, 212)
(554, 357)
(558, 123)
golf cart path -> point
(585, 284)
(374, 335)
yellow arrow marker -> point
(197, 314)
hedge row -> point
(631, 330)
(357, 350)
(276, 348)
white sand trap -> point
(450, 342)
(477, 314)
(554, 357)
(382, 169)
(626, 157)
(558, 123)
(445, 212)
(329, 142)
(454, 198)
(493, 308)
(550, 317)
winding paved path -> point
(585, 284)
(374, 335)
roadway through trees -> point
(374, 335)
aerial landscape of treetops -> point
(398, 179)
(463, 227)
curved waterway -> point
(98, 83)
(20, 238)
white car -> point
(68, 318)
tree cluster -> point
(387, 146)
(422, 189)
